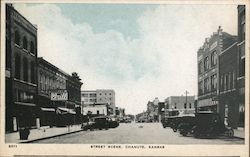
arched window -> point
(17, 66)
(17, 38)
(32, 72)
(25, 69)
(25, 44)
(32, 49)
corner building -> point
(241, 63)
(208, 69)
(20, 72)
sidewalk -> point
(239, 133)
(42, 133)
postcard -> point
(124, 78)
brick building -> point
(20, 71)
(73, 87)
(208, 69)
(179, 103)
(52, 79)
(228, 98)
(241, 63)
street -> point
(136, 133)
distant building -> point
(152, 111)
(241, 63)
(119, 112)
(155, 110)
(208, 69)
(96, 110)
(20, 72)
(180, 103)
(99, 96)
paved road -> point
(137, 133)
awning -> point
(48, 109)
(63, 110)
(206, 102)
(25, 104)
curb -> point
(30, 141)
(242, 138)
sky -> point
(142, 51)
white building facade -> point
(99, 96)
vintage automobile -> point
(113, 123)
(205, 124)
(101, 123)
(210, 124)
(88, 125)
(183, 121)
(170, 116)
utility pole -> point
(186, 93)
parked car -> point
(88, 125)
(113, 123)
(186, 124)
(101, 123)
(206, 124)
(210, 124)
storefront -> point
(207, 105)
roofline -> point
(11, 5)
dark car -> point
(101, 123)
(88, 125)
(210, 124)
(169, 118)
(186, 124)
(113, 123)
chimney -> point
(219, 30)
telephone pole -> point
(186, 93)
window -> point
(229, 81)
(221, 82)
(25, 69)
(185, 105)
(214, 82)
(242, 67)
(190, 105)
(206, 64)
(175, 106)
(200, 87)
(32, 49)
(17, 38)
(213, 58)
(17, 66)
(242, 27)
(206, 85)
(43, 83)
(32, 68)
(40, 81)
(25, 44)
(200, 67)
(225, 82)
(233, 80)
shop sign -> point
(59, 95)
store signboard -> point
(59, 95)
